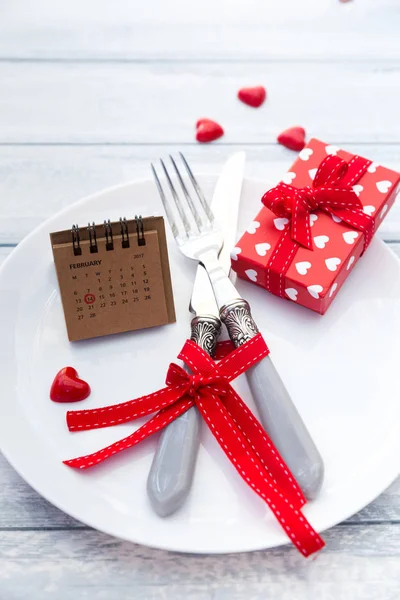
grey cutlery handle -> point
(278, 414)
(171, 473)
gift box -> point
(315, 224)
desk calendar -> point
(113, 277)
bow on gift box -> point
(238, 432)
(331, 192)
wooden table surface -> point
(91, 91)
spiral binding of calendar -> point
(140, 230)
(108, 235)
(92, 238)
(76, 240)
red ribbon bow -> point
(238, 432)
(197, 386)
(331, 192)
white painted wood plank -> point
(358, 562)
(4, 252)
(154, 102)
(37, 181)
(257, 29)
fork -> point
(200, 238)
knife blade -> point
(225, 203)
(171, 473)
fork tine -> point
(192, 207)
(175, 196)
(170, 217)
(199, 192)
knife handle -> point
(171, 473)
(277, 412)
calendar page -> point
(114, 284)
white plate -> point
(341, 369)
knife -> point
(277, 413)
(171, 473)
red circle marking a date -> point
(89, 298)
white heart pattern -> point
(321, 240)
(288, 177)
(292, 293)
(312, 173)
(332, 149)
(251, 274)
(383, 186)
(369, 209)
(262, 248)
(358, 189)
(252, 227)
(302, 267)
(305, 155)
(350, 236)
(280, 223)
(383, 211)
(332, 263)
(234, 252)
(372, 167)
(336, 219)
(332, 290)
(313, 218)
(315, 290)
(351, 260)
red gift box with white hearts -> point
(315, 225)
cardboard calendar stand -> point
(113, 277)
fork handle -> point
(171, 473)
(278, 414)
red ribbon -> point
(331, 192)
(238, 432)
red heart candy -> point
(253, 96)
(67, 387)
(293, 138)
(208, 131)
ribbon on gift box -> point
(236, 429)
(331, 192)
